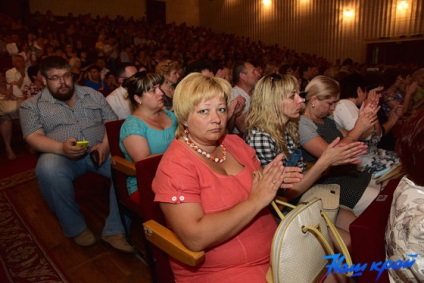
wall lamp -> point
(402, 5)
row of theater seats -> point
(367, 231)
(160, 241)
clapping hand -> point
(338, 153)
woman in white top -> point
(353, 95)
(405, 228)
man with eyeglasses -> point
(118, 99)
(53, 122)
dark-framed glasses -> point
(57, 78)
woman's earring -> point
(186, 131)
(313, 105)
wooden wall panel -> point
(312, 26)
(125, 8)
(315, 26)
(183, 11)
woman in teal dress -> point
(150, 129)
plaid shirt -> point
(85, 121)
(266, 147)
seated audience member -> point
(109, 83)
(224, 72)
(17, 76)
(205, 68)
(12, 47)
(77, 70)
(52, 122)
(272, 128)
(317, 129)
(209, 187)
(36, 84)
(418, 97)
(306, 74)
(93, 79)
(118, 99)
(101, 63)
(393, 94)
(245, 76)
(404, 231)
(170, 72)
(353, 95)
(200, 66)
(143, 59)
(270, 68)
(8, 112)
(150, 129)
(83, 56)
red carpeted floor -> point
(23, 258)
(25, 160)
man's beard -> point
(63, 93)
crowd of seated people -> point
(147, 70)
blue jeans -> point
(55, 174)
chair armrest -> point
(279, 205)
(122, 165)
(169, 242)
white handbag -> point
(301, 241)
(330, 196)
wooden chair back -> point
(367, 233)
(119, 171)
(145, 172)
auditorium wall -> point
(329, 28)
(333, 29)
(178, 11)
(125, 8)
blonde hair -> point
(266, 111)
(165, 67)
(192, 90)
(323, 88)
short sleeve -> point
(29, 116)
(264, 145)
(307, 130)
(233, 94)
(345, 116)
(176, 181)
(132, 126)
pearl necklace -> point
(204, 153)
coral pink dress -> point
(182, 176)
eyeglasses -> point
(56, 78)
